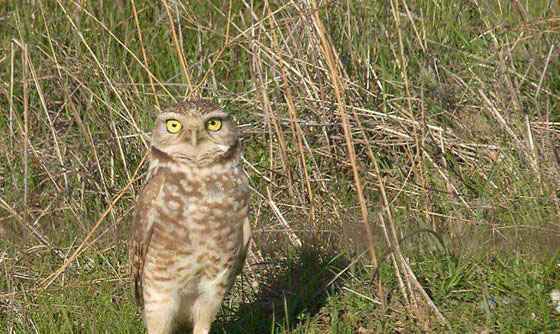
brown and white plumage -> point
(190, 231)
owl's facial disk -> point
(195, 138)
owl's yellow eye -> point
(214, 124)
(173, 126)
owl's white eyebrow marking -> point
(168, 115)
(216, 114)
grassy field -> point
(404, 157)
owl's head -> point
(195, 132)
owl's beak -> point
(194, 135)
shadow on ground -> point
(289, 291)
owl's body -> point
(191, 229)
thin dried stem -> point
(190, 91)
(11, 103)
(25, 134)
(337, 85)
(144, 56)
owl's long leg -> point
(205, 309)
(160, 314)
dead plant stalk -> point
(133, 3)
(180, 53)
(337, 85)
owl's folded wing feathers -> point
(142, 229)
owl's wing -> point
(247, 238)
(142, 229)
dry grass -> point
(363, 122)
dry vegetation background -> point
(365, 123)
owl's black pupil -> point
(173, 124)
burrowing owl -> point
(191, 229)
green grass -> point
(459, 102)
